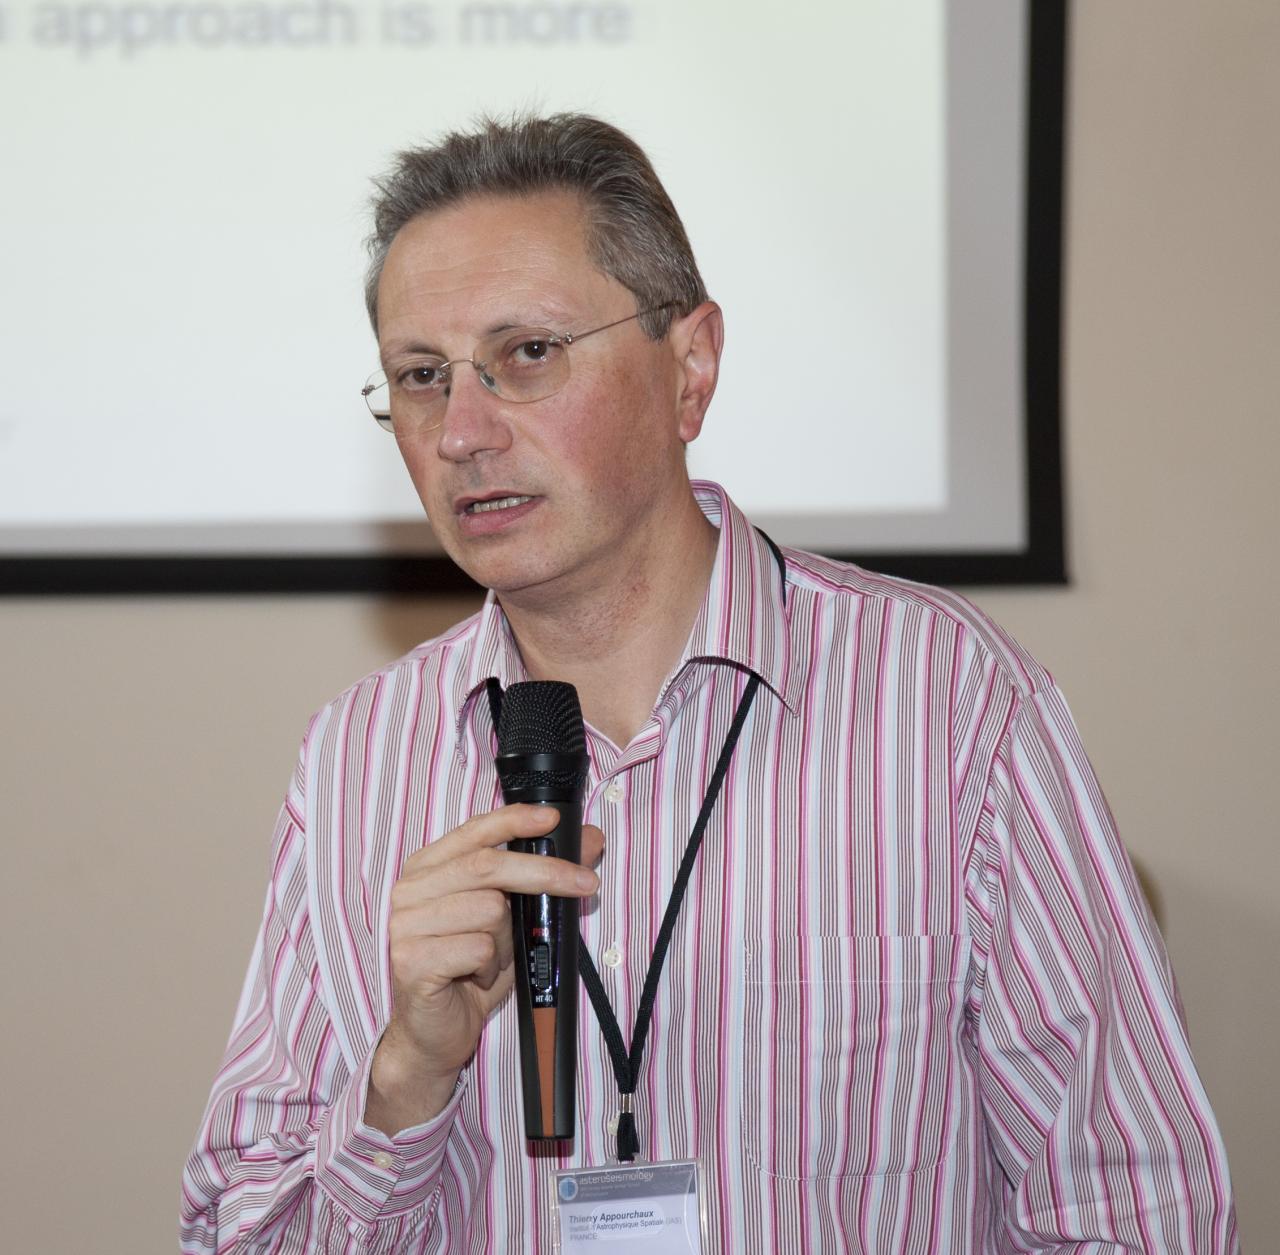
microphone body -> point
(542, 759)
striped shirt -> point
(914, 1002)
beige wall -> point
(147, 742)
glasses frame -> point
(379, 378)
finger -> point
(506, 948)
(418, 913)
(503, 953)
(493, 995)
(592, 845)
(419, 954)
(435, 962)
(493, 828)
(483, 910)
(514, 873)
(488, 973)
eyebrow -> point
(424, 349)
(417, 348)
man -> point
(913, 1001)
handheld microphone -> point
(542, 758)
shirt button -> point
(612, 956)
(383, 1160)
(612, 1126)
(613, 791)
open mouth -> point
(494, 503)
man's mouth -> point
(494, 503)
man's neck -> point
(618, 642)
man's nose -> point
(474, 421)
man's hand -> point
(451, 953)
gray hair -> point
(634, 234)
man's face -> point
(598, 461)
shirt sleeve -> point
(283, 1160)
(1096, 1117)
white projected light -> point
(182, 323)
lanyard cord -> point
(626, 1067)
(626, 1064)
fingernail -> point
(585, 879)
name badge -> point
(649, 1207)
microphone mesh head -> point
(541, 717)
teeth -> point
(501, 503)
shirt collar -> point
(742, 620)
(494, 655)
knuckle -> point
(462, 831)
(484, 863)
(493, 905)
(476, 824)
(401, 956)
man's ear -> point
(696, 341)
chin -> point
(508, 583)
(505, 575)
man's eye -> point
(421, 375)
(530, 352)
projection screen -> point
(873, 191)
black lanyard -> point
(626, 1064)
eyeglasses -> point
(520, 364)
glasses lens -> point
(377, 396)
(527, 364)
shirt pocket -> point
(852, 1054)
